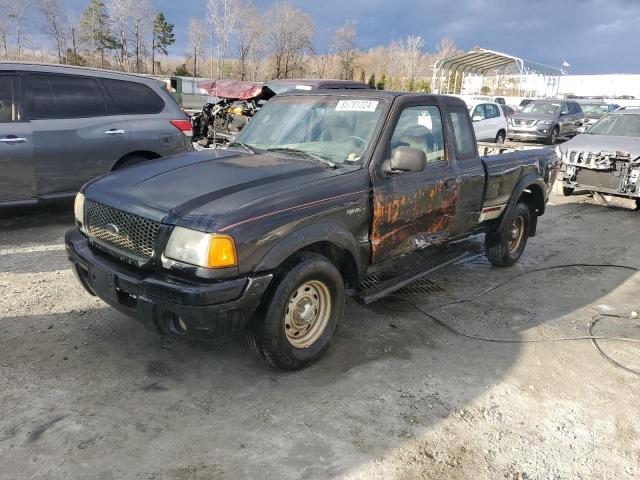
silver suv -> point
(546, 120)
(61, 126)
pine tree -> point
(163, 37)
(95, 29)
(372, 81)
(362, 76)
(381, 83)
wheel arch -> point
(330, 240)
(531, 191)
(144, 154)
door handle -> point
(450, 183)
(113, 131)
(12, 140)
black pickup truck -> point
(318, 192)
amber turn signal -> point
(222, 252)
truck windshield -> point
(617, 125)
(334, 128)
(543, 108)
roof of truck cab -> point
(386, 94)
(73, 69)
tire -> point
(504, 247)
(500, 137)
(567, 191)
(637, 209)
(552, 139)
(280, 334)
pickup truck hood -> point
(210, 181)
(602, 143)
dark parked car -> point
(507, 111)
(322, 190)
(594, 111)
(546, 120)
(61, 126)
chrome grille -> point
(126, 232)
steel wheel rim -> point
(307, 313)
(516, 233)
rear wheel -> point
(300, 317)
(504, 247)
(500, 137)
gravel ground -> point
(87, 393)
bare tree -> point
(142, 16)
(197, 38)
(4, 29)
(445, 48)
(73, 33)
(120, 12)
(18, 11)
(291, 33)
(343, 45)
(223, 17)
(249, 37)
(51, 11)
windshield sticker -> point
(303, 87)
(357, 106)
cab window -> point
(462, 134)
(421, 127)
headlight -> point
(209, 250)
(78, 210)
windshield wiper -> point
(244, 146)
(304, 152)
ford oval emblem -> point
(112, 228)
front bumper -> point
(165, 303)
(529, 134)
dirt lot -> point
(87, 393)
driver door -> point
(412, 210)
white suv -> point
(489, 122)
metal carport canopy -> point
(478, 60)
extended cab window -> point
(65, 96)
(131, 98)
(462, 134)
(421, 128)
(8, 99)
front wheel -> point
(300, 317)
(504, 247)
(552, 139)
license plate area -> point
(112, 288)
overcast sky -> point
(595, 36)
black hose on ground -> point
(594, 339)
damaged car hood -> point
(184, 189)
(602, 143)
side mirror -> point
(405, 159)
(476, 118)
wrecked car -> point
(321, 196)
(238, 101)
(606, 158)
